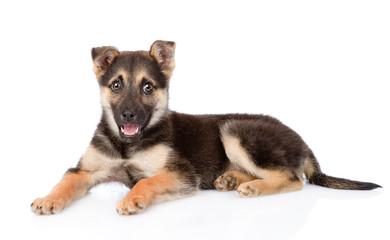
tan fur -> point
(152, 160)
(238, 155)
(139, 75)
(308, 168)
(105, 97)
(161, 100)
(149, 161)
(98, 168)
(98, 66)
(71, 187)
(121, 72)
(164, 155)
(155, 51)
(231, 180)
(99, 165)
(267, 182)
(146, 191)
(274, 181)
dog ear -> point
(102, 58)
(164, 53)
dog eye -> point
(116, 86)
(148, 88)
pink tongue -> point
(130, 129)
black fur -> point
(131, 61)
(271, 144)
(341, 183)
(162, 153)
(196, 139)
(77, 169)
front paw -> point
(131, 205)
(47, 205)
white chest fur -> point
(151, 160)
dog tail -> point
(315, 176)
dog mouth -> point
(130, 130)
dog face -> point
(134, 87)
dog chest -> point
(151, 160)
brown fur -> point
(274, 181)
(164, 155)
(147, 191)
(101, 64)
(232, 180)
(71, 187)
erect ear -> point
(164, 53)
(102, 58)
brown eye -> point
(116, 86)
(148, 88)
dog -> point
(164, 155)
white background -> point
(322, 67)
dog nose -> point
(128, 115)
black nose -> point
(128, 115)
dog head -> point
(134, 87)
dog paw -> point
(246, 190)
(130, 206)
(226, 182)
(47, 205)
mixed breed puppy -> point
(164, 155)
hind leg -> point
(272, 164)
(274, 182)
(231, 180)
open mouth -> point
(131, 130)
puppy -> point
(164, 155)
